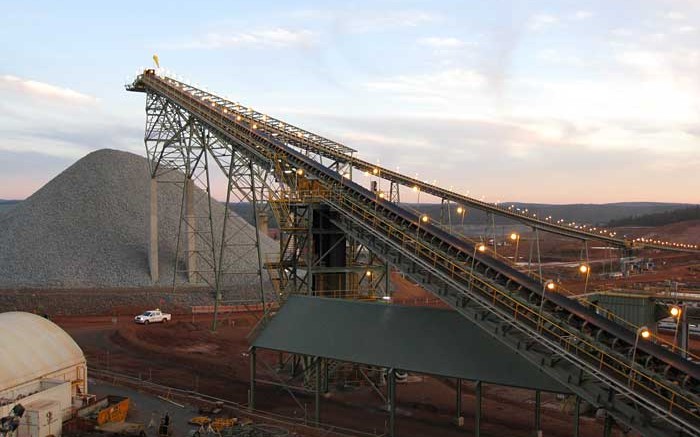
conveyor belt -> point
(656, 395)
(309, 142)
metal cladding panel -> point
(418, 339)
(638, 310)
(36, 348)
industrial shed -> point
(41, 367)
(431, 341)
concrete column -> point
(538, 417)
(459, 420)
(607, 429)
(191, 235)
(577, 413)
(317, 394)
(391, 398)
(477, 413)
(387, 279)
(251, 394)
(263, 223)
(153, 232)
(326, 375)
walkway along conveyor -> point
(657, 394)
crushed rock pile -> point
(88, 228)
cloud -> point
(270, 38)
(447, 84)
(44, 90)
(443, 42)
(560, 58)
(380, 21)
(582, 15)
(674, 15)
(50, 120)
(542, 21)
(549, 156)
(380, 139)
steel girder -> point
(589, 365)
(582, 378)
(180, 150)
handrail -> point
(306, 140)
(563, 334)
(574, 345)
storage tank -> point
(39, 362)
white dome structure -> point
(37, 349)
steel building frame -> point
(654, 392)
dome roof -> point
(33, 347)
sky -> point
(535, 101)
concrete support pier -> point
(263, 223)
(191, 234)
(153, 232)
(459, 420)
(477, 409)
(391, 400)
(251, 390)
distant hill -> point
(659, 218)
(6, 205)
(595, 214)
(609, 214)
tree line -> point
(659, 218)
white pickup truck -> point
(152, 316)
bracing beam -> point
(656, 392)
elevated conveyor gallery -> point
(640, 383)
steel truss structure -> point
(182, 150)
(308, 181)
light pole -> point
(481, 247)
(675, 312)
(585, 269)
(643, 332)
(551, 286)
(298, 173)
(416, 189)
(461, 210)
(422, 219)
(515, 237)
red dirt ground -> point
(188, 355)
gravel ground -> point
(88, 228)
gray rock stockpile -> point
(88, 228)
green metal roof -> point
(418, 339)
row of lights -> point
(525, 212)
(562, 222)
(376, 171)
(666, 243)
(238, 107)
(550, 285)
(574, 225)
(242, 109)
